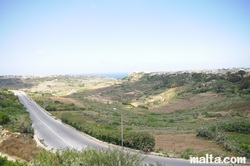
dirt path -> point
(67, 101)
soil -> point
(180, 142)
(67, 101)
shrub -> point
(244, 150)
(27, 129)
(218, 133)
(205, 133)
(220, 137)
(234, 78)
(86, 157)
(4, 118)
(5, 162)
(237, 127)
(187, 153)
(136, 140)
(140, 140)
(143, 107)
(50, 108)
(230, 145)
(212, 115)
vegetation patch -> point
(55, 105)
(232, 136)
(5, 162)
(20, 146)
(15, 118)
(86, 158)
(12, 113)
(137, 140)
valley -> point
(177, 109)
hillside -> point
(187, 112)
(154, 90)
(172, 106)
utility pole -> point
(122, 128)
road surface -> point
(57, 135)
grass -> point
(20, 146)
(187, 153)
(5, 162)
(155, 100)
(241, 138)
(86, 158)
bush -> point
(136, 140)
(244, 150)
(5, 162)
(4, 118)
(140, 140)
(231, 145)
(187, 153)
(26, 129)
(205, 133)
(220, 137)
(50, 108)
(212, 115)
(237, 127)
(218, 133)
(57, 106)
(234, 78)
(86, 157)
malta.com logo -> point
(210, 159)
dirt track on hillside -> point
(67, 101)
(188, 101)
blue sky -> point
(111, 36)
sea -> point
(112, 75)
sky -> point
(41, 37)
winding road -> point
(57, 135)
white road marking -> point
(47, 125)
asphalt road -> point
(57, 135)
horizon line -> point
(127, 73)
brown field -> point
(180, 142)
(67, 101)
(20, 146)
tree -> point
(245, 84)
(234, 78)
(241, 73)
